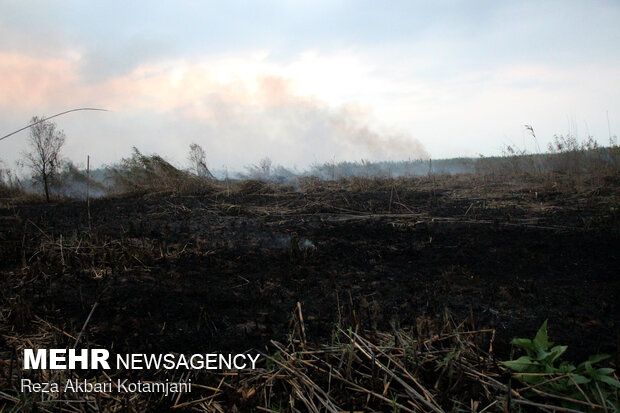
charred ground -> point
(224, 269)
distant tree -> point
(197, 158)
(44, 159)
(265, 167)
(9, 182)
(262, 170)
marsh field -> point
(318, 274)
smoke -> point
(290, 126)
(354, 128)
(350, 125)
(240, 111)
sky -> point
(305, 81)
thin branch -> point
(43, 120)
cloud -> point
(105, 60)
(28, 82)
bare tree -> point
(197, 157)
(44, 159)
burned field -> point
(224, 270)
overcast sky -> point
(308, 81)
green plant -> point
(585, 382)
(272, 361)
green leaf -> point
(610, 380)
(604, 371)
(521, 364)
(579, 379)
(521, 341)
(524, 343)
(528, 378)
(589, 369)
(541, 340)
(541, 355)
(597, 358)
(566, 367)
(449, 358)
(555, 352)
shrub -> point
(585, 382)
(153, 173)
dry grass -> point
(438, 366)
(141, 173)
